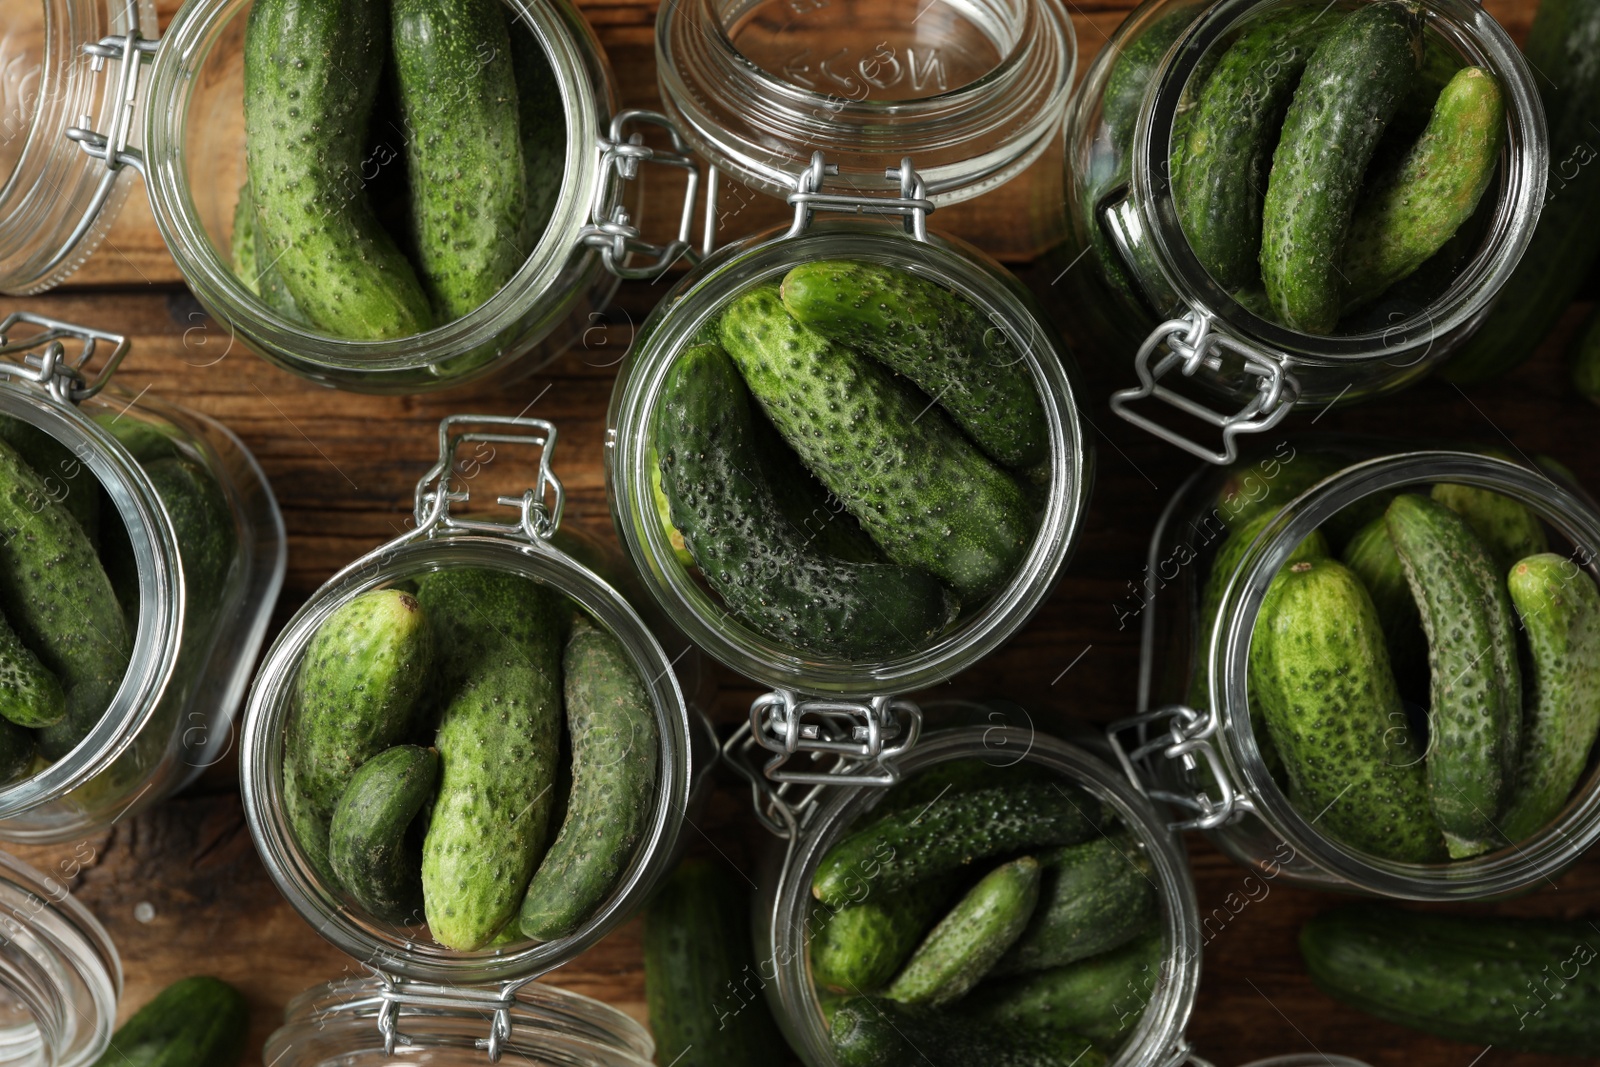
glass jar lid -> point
(972, 91)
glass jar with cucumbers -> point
(384, 195)
(466, 759)
(141, 552)
(1293, 203)
(1377, 666)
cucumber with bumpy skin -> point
(66, 478)
(877, 1032)
(194, 1022)
(370, 848)
(935, 338)
(764, 568)
(1345, 98)
(967, 942)
(920, 489)
(1508, 528)
(860, 947)
(1560, 612)
(1371, 556)
(29, 694)
(1092, 898)
(1475, 713)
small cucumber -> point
(1475, 715)
(955, 776)
(498, 742)
(937, 339)
(29, 694)
(1560, 612)
(1320, 679)
(194, 1022)
(370, 848)
(1101, 997)
(920, 489)
(700, 980)
(1093, 897)
(311, 73)
(1371, 556)
(859, 948)
(910, 846)
(261, 278)
(1345, 98)
(58, 598)
(469, 199)
(207, 540)
(66, 478)
(612, 724)
(357, 689)
(1508, 529)
(968, 941)
(1232, 134)
(1516, 984)
(1408, 214)
(764, 568)
(876, 1032)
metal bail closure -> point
(1188, 735)
(612, 230)
(539, 508)
(496, 1003)
(912, 204)
(1191, 343)
(863, 740)
(42, 358)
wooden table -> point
(180, 887)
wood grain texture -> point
(344, 468)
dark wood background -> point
(180, 887)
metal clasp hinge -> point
(539, 508)
(46, 362)
(863, 738)
(1191, 344)
(912, 204)
(612, 230)
(1187, 737)
(396, 993)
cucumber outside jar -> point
(1213, 684)
(501, 291)
(179, 548)
(414, 880)
(1186, 146)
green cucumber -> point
(1101, 997)
(1508, 528)
(969, 940)
(876, 1032)
(1475, 714)
(1231, 137)
(498, 738)
(1345, 98)
(1320, 679)
(700, 981)
(1408, 214)
(207, 540)
(370, 848)
(764, 568)
(357, 690)
(194, 1022)
(612, 723)
(952, 777)
(58, 598)
(1372, 558)
(937, 339)
(17, 749)
(29, 694)
(261, 278)
(311, 73)
(910, 846)
(1516, 984)
(920, 489)
(469, 198)
(66, 478)
(1560, 612)
(860, 947)
(542, 121)
(819, 516)
(1093, 897)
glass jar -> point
(535, 546)
(1140, 287)
(1205, 760)
(362, 1021)
(181, 127)
(60, 976)
(195, 626)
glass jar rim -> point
(696, 298)
(700, 70)
(1499, 873)
(262, 744)
(1474, 288)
